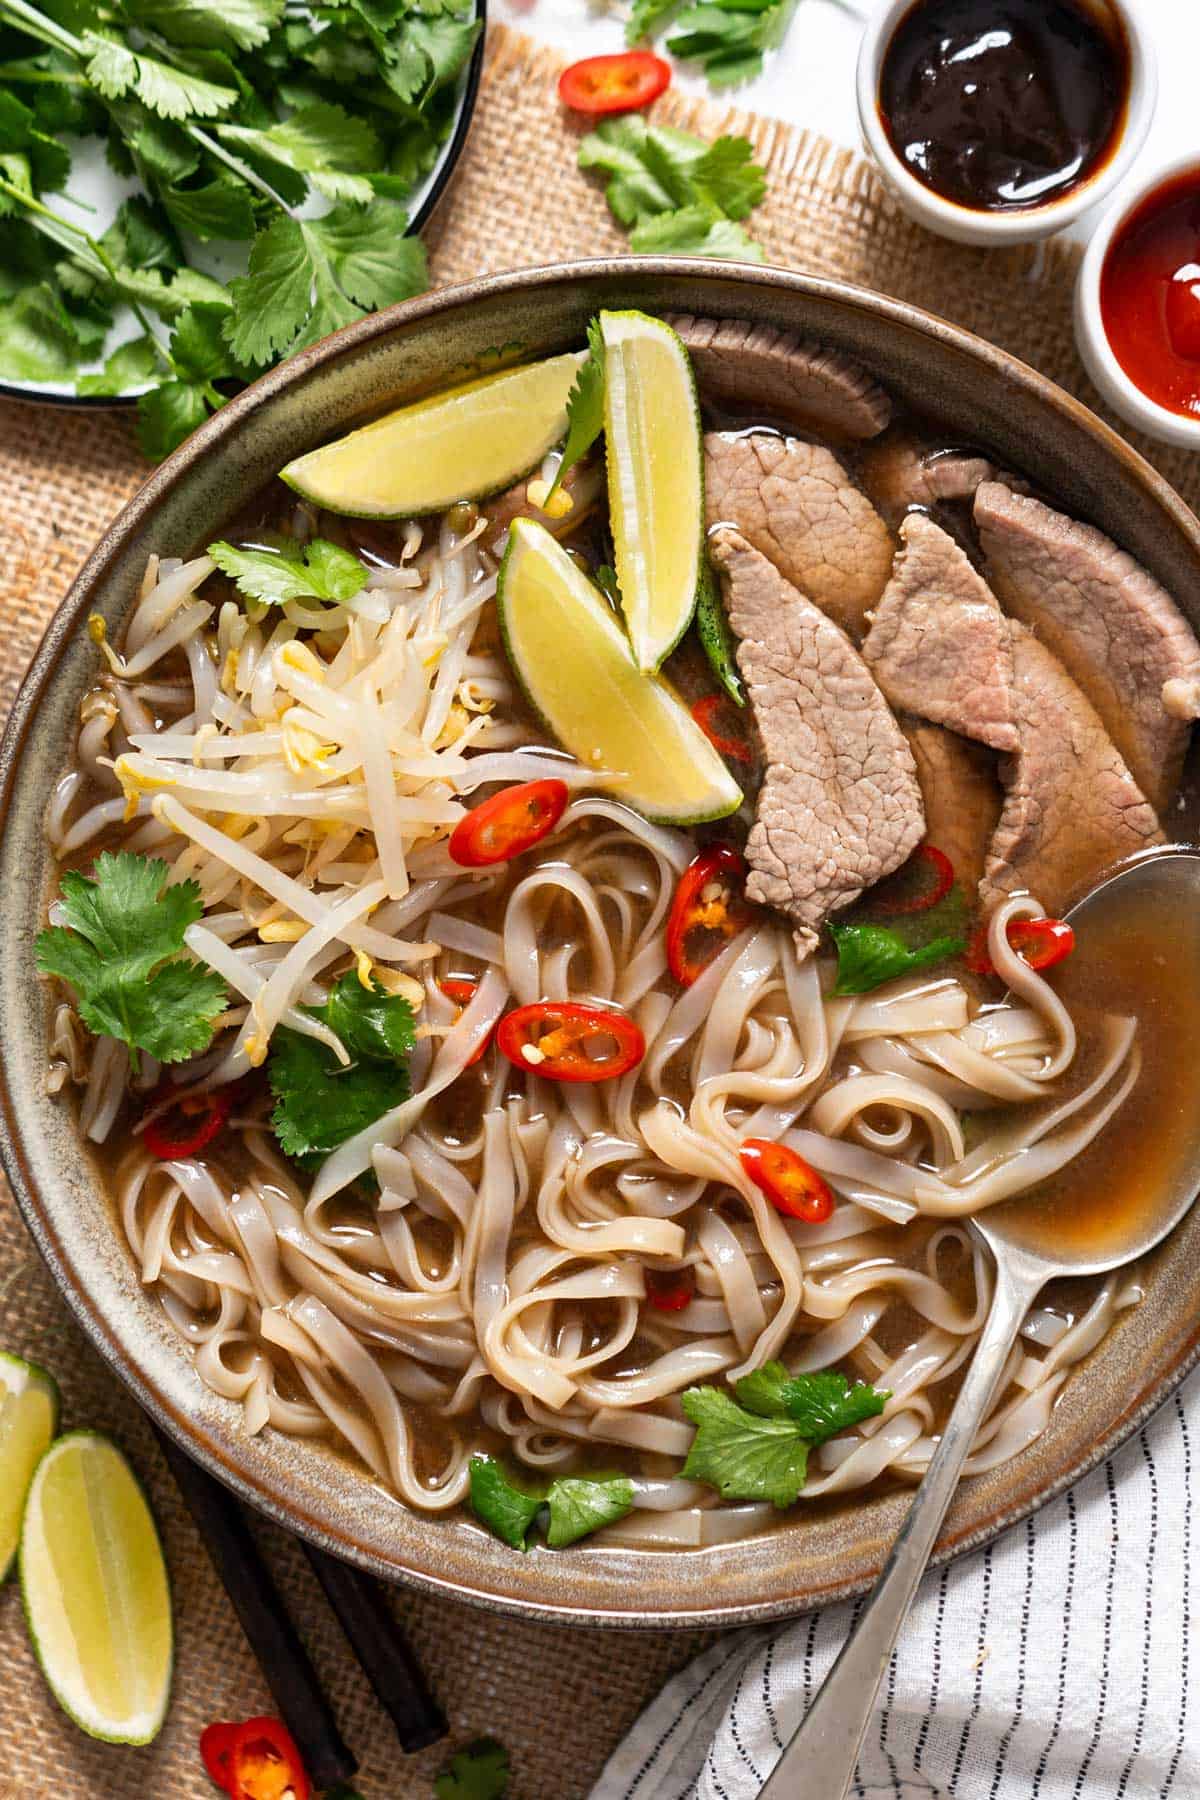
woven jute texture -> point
(559, 1699)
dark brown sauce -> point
(1004, 104)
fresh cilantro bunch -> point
(728, 38)
(572, 1506)
(675, 194)
(296, 131)
(319, 1101)
(480, 1772)
(119, 948)
(756, 1447)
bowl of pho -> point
(538, 853)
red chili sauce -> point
(1150, 295)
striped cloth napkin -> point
(1054, 1665)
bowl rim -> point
(449, 158)
(1091, 336)
(332, 1536)
(971, 225)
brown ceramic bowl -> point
(977, 393)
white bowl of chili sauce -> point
(1000, 121)
(1137, 304)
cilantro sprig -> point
(728, 38)
(319, 1101)
(755, 1447)
(318, 571)
(870, 953)
(238, 120)
(585, 408)
(119, 948)
(480, 1772)
(673, 192)
(572, 1507)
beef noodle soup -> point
(463, 1112)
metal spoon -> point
(818, 1762)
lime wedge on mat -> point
(655, 478)
(28, 1421)
(573, 661)
(457, 445)
(95, 1590)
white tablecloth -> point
(1059, 1663)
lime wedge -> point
(574, 663)
(95, 1590)
(461, 444)
(655, 479)
(28, 1421)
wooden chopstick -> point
(381, 1647)
(286, 1665)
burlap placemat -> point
(559, 1699)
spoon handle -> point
(818, 1762)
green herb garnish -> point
(480, 1772)
(728, 38)
(119, 948)
(756, 1447)
(675, 193)
(573, 1505)
(319, 571)
(319, 1101)
(233, 117)
(585, 408)
(869, 955)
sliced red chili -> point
(264, 1763)
(622, 82)
(790, 1184)
(925, 878)
(1039, 942)
(216, 1743)
(462, 990)
(668, 1290)
(187, 1126)
(511, 821)
(566, 1042)
(709, 908)
(717, 718)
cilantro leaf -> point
(131, 365)
(320, 1102)
(480, 1772)
(167, 414)
(114, 70)
(728, 176)
(220, 209)
(743, 1455)
(821, 1403)
(119, 949)
(644, 16)
(198, 347)
(695, 231)
(139, 238)
(499, 1503)
(38, 341)
(234, 24)
(580, 1505)
(585, 408)
(869, 955)
(369, 1021)
(319, 571)
(322, 141)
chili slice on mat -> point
(264, 1763)
(622, 82)
(462, 989)
(508, 823)
(567, 1042)
(790, 1184)
(709, 908)
(187, 1126)
(1039, 942)
(715, 715)
(216, 1744)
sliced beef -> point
(1071, 807)
(901, 472)
(1107, 620)
(840, 806)
(796, 503)
(939, 646)
(757, 368)
(962, 796)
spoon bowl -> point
(1033, 1240)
